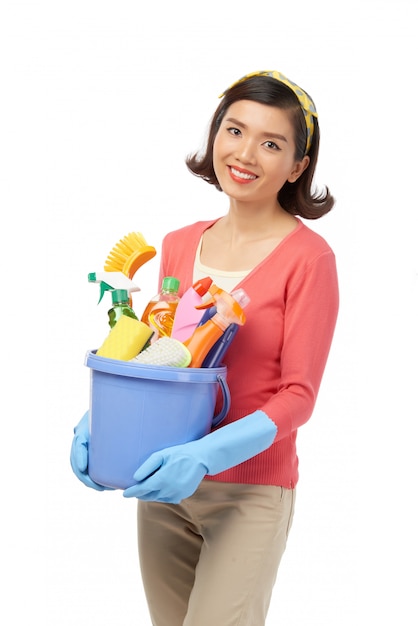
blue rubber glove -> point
(80, 454)
(172, 474)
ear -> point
(299, 168)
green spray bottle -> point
(121, 288)
(120, 306)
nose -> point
(246, 152)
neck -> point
(256, 222)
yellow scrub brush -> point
(129, 254)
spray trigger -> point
(103, 288)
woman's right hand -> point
(79, 457)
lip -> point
(241, 176)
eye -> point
(234, 131)
(272, 145)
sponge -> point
(126, 339)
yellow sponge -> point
(126, 339)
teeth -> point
(242, 174)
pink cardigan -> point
(277, 359)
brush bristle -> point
(165, 351)
(129, 254)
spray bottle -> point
(112, 280)
(188, 315)
(121, 288)
(229, 310)
(120, 306)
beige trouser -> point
(212, 560)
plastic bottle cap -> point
(120, 295)
(201, 287)
(170, 283)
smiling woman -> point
(214, 514)
(255, 147)
(264, 89)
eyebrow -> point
(232, 120)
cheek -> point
(217, 154)
(223, 145)
(217, 147)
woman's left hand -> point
(175, 473)
(169, 475)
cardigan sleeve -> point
(309, 323)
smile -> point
(242, 175)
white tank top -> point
(225, 280)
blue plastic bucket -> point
(137, 409)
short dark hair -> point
(298, 198)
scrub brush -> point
(129, 254)
(165, 351)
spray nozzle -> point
(112, 280)
(229, 305)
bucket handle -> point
(226, 401)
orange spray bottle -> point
(229, 310)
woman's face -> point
(253, 152)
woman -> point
(214, 514)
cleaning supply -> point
(137, 409)
(125, 340)
(160, 311)
(229, 310)
(167, 352)
(217, 352)
(173, 474)
(112, 280)
(187, 316)
(120, 306)
(129, 254)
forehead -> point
(259, 116)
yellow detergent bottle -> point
(160, 311)
(229, 310)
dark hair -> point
(298, 198)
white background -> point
(100, 103)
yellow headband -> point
(306, 103)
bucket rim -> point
(155, 372)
